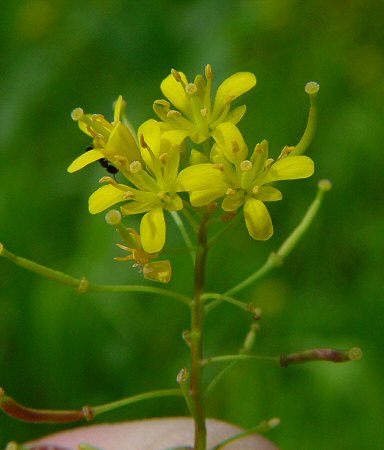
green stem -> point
(262, 427)
(225, 298)
(196, 339)
(183, 231)
(232, 358)
(97, 410)
(82, 285)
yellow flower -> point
(248, 182)
(152, 270)
(196, 115)
(111, 140)
(154, 183)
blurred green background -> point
(59, 350)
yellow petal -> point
(176, 94)
(105, 197)
(230, 89)
(152, 230)
(231, 142)
(290, 168)
(175, 136)
(199, 177)
(236, 114)
(151, 133)
(268, 194)
(175, 204)
(122, 143)
(257, 219)
(134, 207)
(233, 202)
(206, 196)
(158, 271)
(85, 159)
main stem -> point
(196, 339)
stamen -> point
(109, 180)
(246, 165)
(204, 112)
(259, 148)
(173, 113)
(121, 159)
(268, 163)
(208, 72)
(135, 167)
(163, 158)
(163, 103)
(129, 195)
(231, 192)
(177, 77)
(142, 141)
(256, 189)
(218, 166)
(235, 146)
(191, 88)
(287, 150)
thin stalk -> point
(196, 339)
(184, 233)
(97, 410)
(277, 258)
(82, 285)
(231, 358)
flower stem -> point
(196, 338)
(277, 258)
(82, 285)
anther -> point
(204, 112)
(129, 195)
(259, 149)
(256, 189)
(173, 113)
(235, 146)
(163, 158)
(208, 72)
(218, 166)
(142, 141)
(287, 150)
(268, 163)
(163, 103)
(77, 114)
(246, 165)
(176, 75)
(107, 180)
(230, 192)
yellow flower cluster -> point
(157, 169)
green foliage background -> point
(59, 350)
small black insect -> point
(110, 168)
